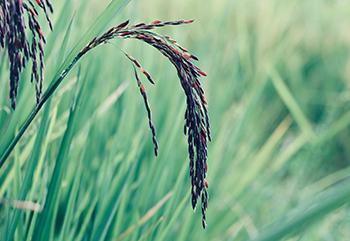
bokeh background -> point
(279, 101)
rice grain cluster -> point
(197, 126)
(15, 18)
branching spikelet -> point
(15, 17)
(136, 64)
(197, 126)
(14, 39)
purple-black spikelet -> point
(197, 126)
(15, 18)
(13, 38)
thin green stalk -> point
(114, 7)
(27, 182)
(48, 93)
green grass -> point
(278, 93)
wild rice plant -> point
(281, 121)
(20, 50)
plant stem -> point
(48, 93)
(112, 9)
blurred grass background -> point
(278, 93)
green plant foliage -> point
(83, 168)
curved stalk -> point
(113, 8)
(48, 93)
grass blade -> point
(47, 215)
(113, 8)
(27, 182)
(315, 211)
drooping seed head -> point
(197, 126)
(15, 17)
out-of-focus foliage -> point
(279, 102)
